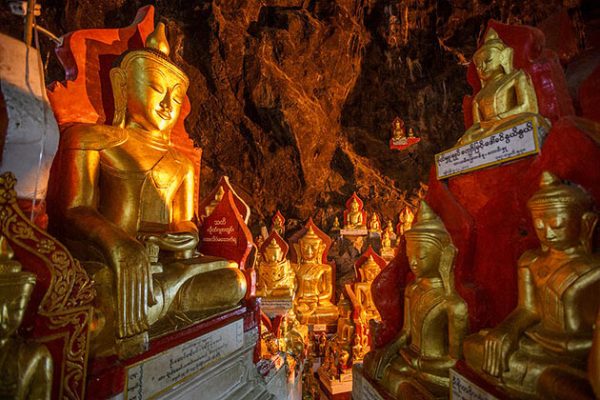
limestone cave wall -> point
(293, 99)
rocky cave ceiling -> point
(293, 99)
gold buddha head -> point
(148, 87)
(273, 252)
(369, 270)
(562, 214)
(311, 246)
(15, 290)
(425, 242)
(493, 58)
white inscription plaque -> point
(463, 389)
(518, 141)
(151, 377)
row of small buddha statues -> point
(541, 349)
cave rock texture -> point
(294, 99)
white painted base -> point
(232, 377)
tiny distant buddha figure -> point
(406, 219)
(208, 210)
(275, 275)
(354, 216)
(336, 225)
(315, 282)
(339, 349)
(411, 133)
(129, 188)
(25, 368)
(278, 224)
(374, 224)
(507, 96)
(551, 329)
(398, 132)
(416, 363)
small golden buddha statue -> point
(278, 224)
(275, 277)
(215, 202)
(387, 251)
(411, 133)
(551, 329)
(374, 224)
(398, 131)
(507, 96)
(336, 225)
(130, 190)
(315, 285)
(354, 216)
(368, 271)
(435, 317)
(25, 368)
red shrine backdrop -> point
(486, 211)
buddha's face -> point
(273, 252)
(13, 303)
(310, 249)
(423, 257)
(488, 61)
(354, 206)
(154, 95)
(557, 227)
(370, 272)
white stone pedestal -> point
(215, 366)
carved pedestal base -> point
(211, 360)
(335, 386)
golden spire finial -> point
(310, 234)
(548, 179)
(425, 213)
(157, 40)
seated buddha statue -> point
(128, 190)
(435, 318)
(25, 368)
(507, 96)
(315, 282)
(368, 271)
(398, 132)
(354, 216)
(387, 251)
(551, 328)
(374, 224)
(275, 277)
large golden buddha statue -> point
(416, 363)
(127, 194)
(315, 282)
(507, 96)
(25, 368)
(551, 329)
(275, 275)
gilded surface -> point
(275, 277)
(25, 368)
(507, 96)
(549, 334)
(128, 192)
(354, 216)
(416, 363)
(315, 282)
(66, 304)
